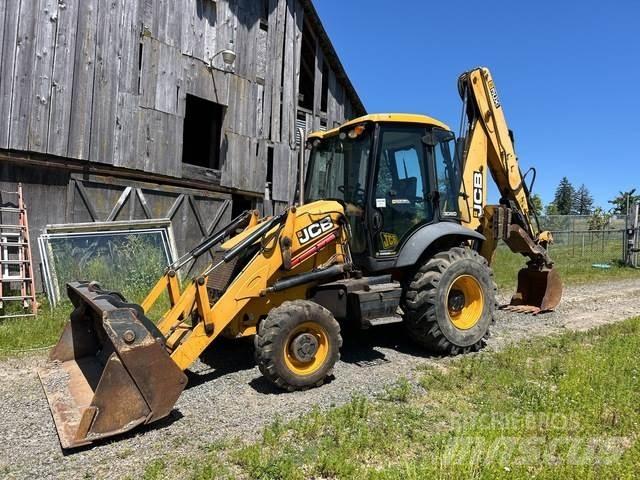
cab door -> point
(401, 200)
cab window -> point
(402, 185)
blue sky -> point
(568, 74)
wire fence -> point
(575, 237)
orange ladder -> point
(16, 267)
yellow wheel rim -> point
(313, 364)
(465, 302)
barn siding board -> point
(105, 86)
(225, 33)
(277, 26)
(317, 87)
(130, 22)
(62, 79)
(149, 71)
(198, 29)
(126, 132)
(11, 12)
(270, 71)
(83, 80)
(281, 172)
(167, 24)
(209, 25)
(289, 103)
(332, 112)
(3, 11)
(23, 75)
(168, 79)
(46, 26)
(158, 142)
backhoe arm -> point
(489, 146)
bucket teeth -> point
(528, 309)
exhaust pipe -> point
(110, 371)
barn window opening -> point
(307, 68)
(324, 100)
(202, 132)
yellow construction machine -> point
(394, 229)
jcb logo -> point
(494, 95)
(314, 230)
(478, 194)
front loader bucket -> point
(538, 291)
(110, 371)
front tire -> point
(450, 302)
(297, 345)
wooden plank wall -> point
(107, 80)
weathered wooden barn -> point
(129, 109)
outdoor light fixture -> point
(228, 57)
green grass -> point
(27, 333)
(574, 269)
(561, 407)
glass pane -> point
(127, 262)
(402, 186)
(338, 170)
(448, 176)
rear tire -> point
(297, 345)
(450, 302)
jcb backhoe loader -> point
(395, 229)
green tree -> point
(620, 201)
(564, 197)
(535, 201)
(551, 209)
(583, 201)
(599, 219)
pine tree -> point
(583, 201)
(564, 198)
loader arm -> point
(114, 368)
(489, 146)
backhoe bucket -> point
(110, 371)
(538, 291)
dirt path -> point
(228, 398)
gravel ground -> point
(227, 397)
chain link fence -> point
(599, 241)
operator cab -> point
(393, 173)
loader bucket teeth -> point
(538, 291)
(110, 370)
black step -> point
(376, 322)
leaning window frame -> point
(73, 230)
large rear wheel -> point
(451, 301)
(297, 345)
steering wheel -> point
(359, 192)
